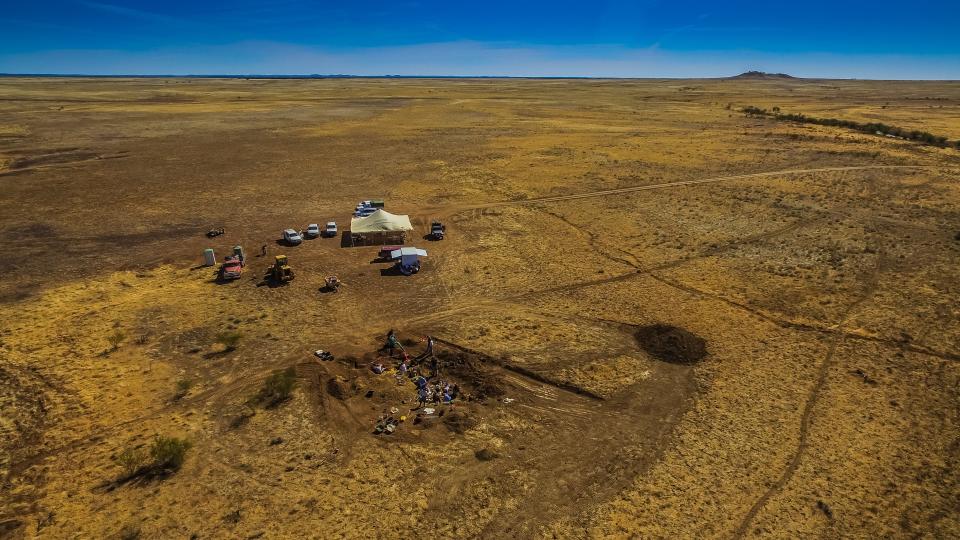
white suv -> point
(292, 237)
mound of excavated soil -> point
(671, 344)
(459, 421)
(339, 388)
(470, 369)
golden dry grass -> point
(818, 264)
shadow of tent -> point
(394, 270)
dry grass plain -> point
(820, 265)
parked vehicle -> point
(313, 231)
(215, 232)
(332, 284)
(292, 237)
(408, 259)
(280, 272)
(386, 253)
(437, 230)
(232, 268)
(331, 229)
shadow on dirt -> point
(392, 271)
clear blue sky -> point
(683, 38)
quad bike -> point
(332, 284)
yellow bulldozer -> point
(280, 272)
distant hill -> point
(762, 75)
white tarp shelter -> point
(380, 221)
(407, 253)
(379, 227)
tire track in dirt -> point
(650, 271)
(15, 169)
(796, 325)
(802, 444)
(592, 242)
(640, 272)
(478, 210)
(450, 210)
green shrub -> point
(116, 338)
(278, 387)
(229, 340)
(164, 456)
(168, 453)
(132, 460)
(183, 388)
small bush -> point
(242, 417)
(165, 455)
(132, 460)
(183, 388)
(129, 532)
(116, 338)
(168, 453)
(229, 340)
(278, 387)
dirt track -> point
(448, 211)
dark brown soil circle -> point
(459, 421)
(671, 344)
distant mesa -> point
(762, 75)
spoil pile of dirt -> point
(470, 369)
(459, 421)
(671, 344)
(339, 388)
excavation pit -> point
(671, 344)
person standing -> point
(421, 397)
(402, 371)
(392, 342)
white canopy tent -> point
(379, 227)
(408, 252)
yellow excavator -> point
(280, 272)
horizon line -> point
(740, 76)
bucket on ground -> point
(209, 259)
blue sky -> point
(678, 38)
